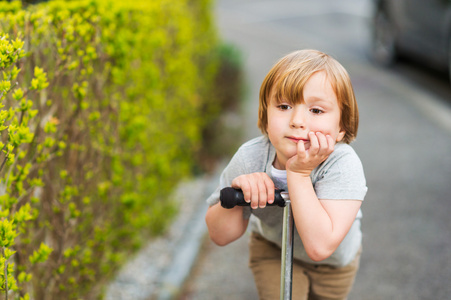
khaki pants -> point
(310, 281)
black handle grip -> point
(231, 197)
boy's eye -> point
(284, 106)
(316, 111)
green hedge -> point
(101, 115)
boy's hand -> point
(321, 146)
(258, 188)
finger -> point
(314, 143)
(270, 191)
(236, 183)
(301, 152)
(242, 183)
(254, 194)
(262, 194)
(323, 144)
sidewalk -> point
(212, 279)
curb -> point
(185, 256)
(186, 250)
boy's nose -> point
(297, 119)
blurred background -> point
(397, 54)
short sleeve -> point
(235, 168)
(251, 157)
(341, 176)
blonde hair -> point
(286, 81)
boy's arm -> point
(321, 224)
(225, 225)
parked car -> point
(420, 29)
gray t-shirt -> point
(340, 176)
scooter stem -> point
(286, 275)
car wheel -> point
(383, 39)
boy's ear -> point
(340, 136)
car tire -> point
(383, 48)
(449, 59)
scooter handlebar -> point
(231, 197)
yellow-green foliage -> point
(101, 104)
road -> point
(404, 142)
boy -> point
(308, 115)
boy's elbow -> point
(219, 241)
(222, 230)
(318, 253)
(224, 237)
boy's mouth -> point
(297, 139)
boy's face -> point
(289, 124)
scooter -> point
(231, 197)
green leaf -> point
(18, 94)
(7, 233)
(41, 255)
